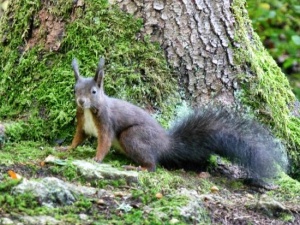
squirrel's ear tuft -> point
(101, 63)
(76, 69)
(99, 76)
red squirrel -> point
(187, 145)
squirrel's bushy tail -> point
(215, 131)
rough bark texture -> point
(196, 36)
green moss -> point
(289, 189)
(24, 152)
(68, 171)
(36, 86)
(21, 203)
(287, 217)
(7, 184)
(267, 90)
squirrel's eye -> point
(94, 91)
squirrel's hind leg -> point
(138, 144)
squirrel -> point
(187, 145)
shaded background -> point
(278, 25)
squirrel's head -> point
(89, 92)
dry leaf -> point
(159, 195)
(14, 175)
(119, 194)
(214, 189)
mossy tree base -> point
(39, 41)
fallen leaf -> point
(214, 189)
(119, 194)
(14, 175)
(101, 202)
(159, 195)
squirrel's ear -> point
(76, 69)
(99, 76)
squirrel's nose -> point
(81, 101)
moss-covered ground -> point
(28, 164)
(155, 199)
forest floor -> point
(162, 197)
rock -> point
(50, 191)
(39, 220)
(158, 5)
(83, 216)
(194, 210)
(53, 192)
(30, 220)
(93, 170)
(5, 221)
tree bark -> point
(197, 37)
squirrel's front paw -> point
(97, 160)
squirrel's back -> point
(126, 115)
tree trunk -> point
(197, 37)
(210, 44)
